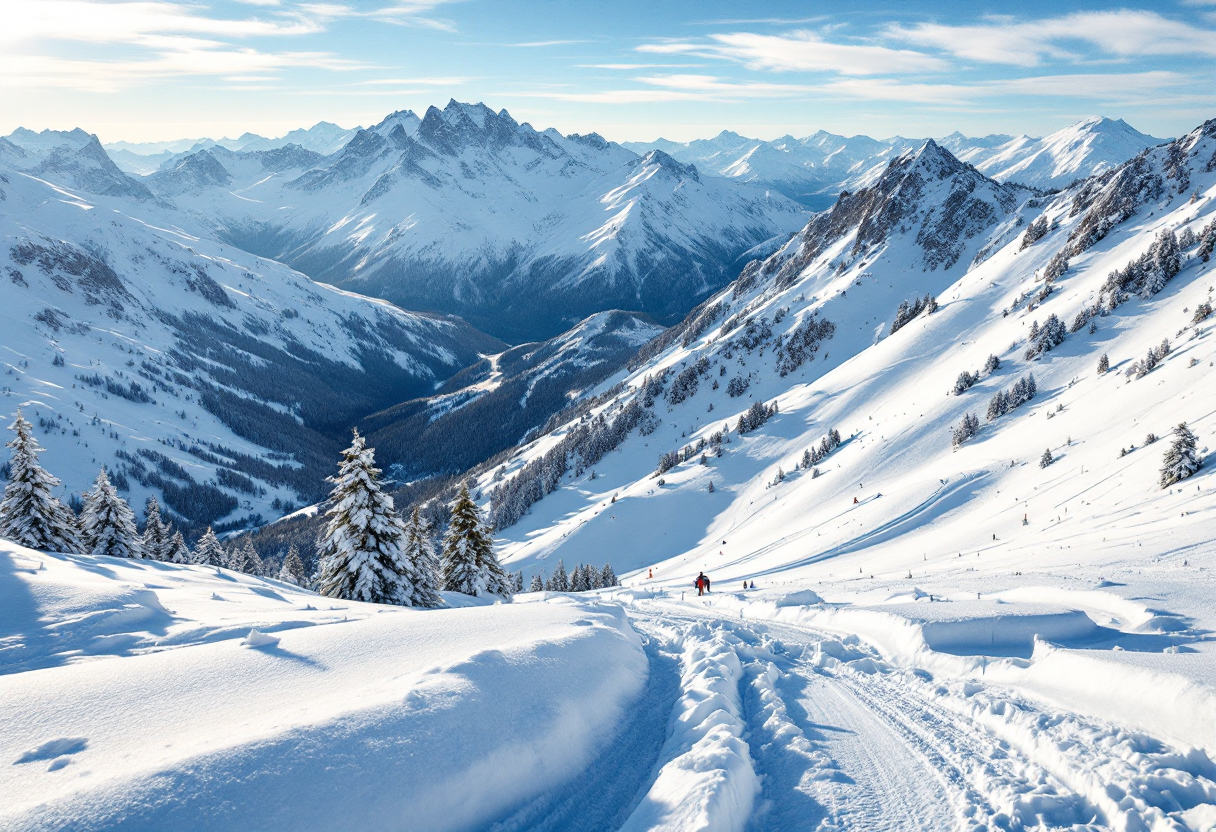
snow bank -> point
(393, 719)
(706, 782)
(963, 640)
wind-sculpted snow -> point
(273, 701)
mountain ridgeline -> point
(465, 211)
(162, 330)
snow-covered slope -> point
(222, 381)
(464, 210)
(490, 406)
(897, 511)
(187, 697)
(1090, 146)
(813, 170)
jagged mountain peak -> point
(669, 164)
(939, 205)
(74, 158)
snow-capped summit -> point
(814, 169)
(1090, 146)
(466, 210)
(935, 204)
(73, 158)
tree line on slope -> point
(368, 551)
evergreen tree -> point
(292, 571)
(156, 538)
(424, 565)
(361, 548)
(1103, 364)
(517, 582)
(1046, 459)
(108, 524)
(178, 551)
(30, 514)
(1181, 458)
(558, 581)
(538, 584)
(208, 551)
(580, 581)
(248, 559)
(608, 576)
(469, 563)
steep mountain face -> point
(746, 392)
(465, 210)
(813, 170)
(1086, 148)
(491, 405)
(222, 382)
(75, 159)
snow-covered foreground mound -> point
(154, 706)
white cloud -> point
(1123, 33)
(802, 51)
(136, 41)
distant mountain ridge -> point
(812, 170)
(523, 232)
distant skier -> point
(753, 585)
(650, 573)
(854, 501)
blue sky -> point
(631, 70)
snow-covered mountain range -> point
(813, 170)
(147, 157)
(219, 380)
(464, 210)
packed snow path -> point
(822, 734)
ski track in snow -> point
(840, 740)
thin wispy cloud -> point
(152, 40)
(1123, 33)
(801, 51)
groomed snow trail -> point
(837, 739)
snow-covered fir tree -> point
(608, 576)
(1181, 458)
(559, 581)
(579, 580)
(30, 514)
(469, 563)
(362, 547)
(208, 551)
(1103, 364)
(179, 552)
(107, 526)
(157, 534)
(517, 582)
(247, 558)
(424, 564)
(1046, 459)
(292, 570)
(537, 584)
